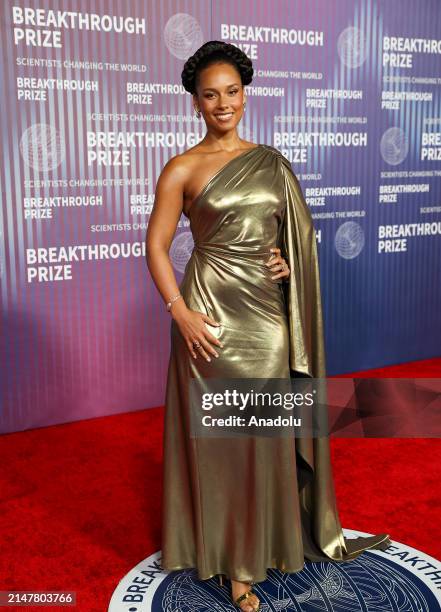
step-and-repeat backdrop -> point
(92, 107)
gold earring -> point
(244, 106)
(198, 113)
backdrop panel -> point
(92, 108)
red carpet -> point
(81, 502)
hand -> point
(276, 262)
(193, 328)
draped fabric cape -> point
(307, 358)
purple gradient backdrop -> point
(98, 344)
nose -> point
(223, 102)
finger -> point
(211, 321)
(191, 349)
(280, 275)
(280, 266)
(274, 260)
(277, 267)
(201, 349)
(212, 339)
(208, 348)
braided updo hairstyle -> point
(213, 52)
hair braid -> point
(210, 53)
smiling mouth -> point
(223, 116)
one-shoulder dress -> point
(238, 506)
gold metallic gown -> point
(237, 506)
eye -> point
(234, 91)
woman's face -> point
(220, 97)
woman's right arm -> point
(164, 218)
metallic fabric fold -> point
(238, 506)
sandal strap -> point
(242, 597)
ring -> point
(196, 344)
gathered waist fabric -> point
(238, 250)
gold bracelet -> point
(173, 299)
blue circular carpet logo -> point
(400, 579)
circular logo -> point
(351, 47)
(349, 240)
(400, 579)
(394, 146)
(181, 249)
(42, 147)
(182, 35)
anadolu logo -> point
(400, 579)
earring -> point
(198, 113)
(244, 106)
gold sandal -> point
(242, 597)
(246, 596)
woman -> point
(248, 306)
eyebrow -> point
(214, 88)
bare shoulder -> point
(180, 168)
(173, 169)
